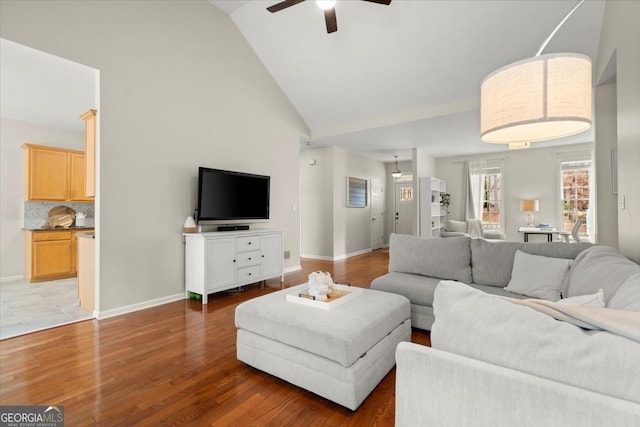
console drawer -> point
(246, 259)
(248, 243)
(248, 275)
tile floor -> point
(29, 307)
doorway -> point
(58, 92)
(377, 214)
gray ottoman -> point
(340, 354)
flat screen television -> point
(232, 196)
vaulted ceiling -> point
(405, 75)
(390, 79)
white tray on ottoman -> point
(340, 354)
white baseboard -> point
(292, 269)
(321, 258)
(11, 278)
(337, 258)
(139, 306)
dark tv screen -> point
(228, 195)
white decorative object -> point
(80, 217)
(320, 285)
(189, 225)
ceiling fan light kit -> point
(537, 99)
(328, 6)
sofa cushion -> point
(599, 267)
(492, 329)
(627, 297)
(492, 262)
(441, 258)
(592, 300)
(419, 289)
(538, 276)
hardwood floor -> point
(175, 365)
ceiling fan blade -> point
(330, 19)
(283, 5)
(387, 2)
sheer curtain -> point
(474, 175)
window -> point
(576, 196)
(486, 194)
(406, 194)
(356, 192)
(492, 198)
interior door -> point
(377, 215)
(404, 207)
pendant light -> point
(397, 173)
(537, 99)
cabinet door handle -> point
(249, 258)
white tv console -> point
(220, 260)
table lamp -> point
(529, 206)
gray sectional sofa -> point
(531, 359)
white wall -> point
(180, 87)
(619, 36)
(12, 186)
(331, 230)
(424, 165)
(352, 226)
(528, 174)
(316, 203)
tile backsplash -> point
(36, 214)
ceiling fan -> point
(327, 5)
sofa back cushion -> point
(627, 297)
(441, 258)
(599, 267)
(492, 262)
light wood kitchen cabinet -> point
(54, 174)
(90, 151)
(51, 254)
(47, 174)
(77, 177)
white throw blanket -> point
(620, 322)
